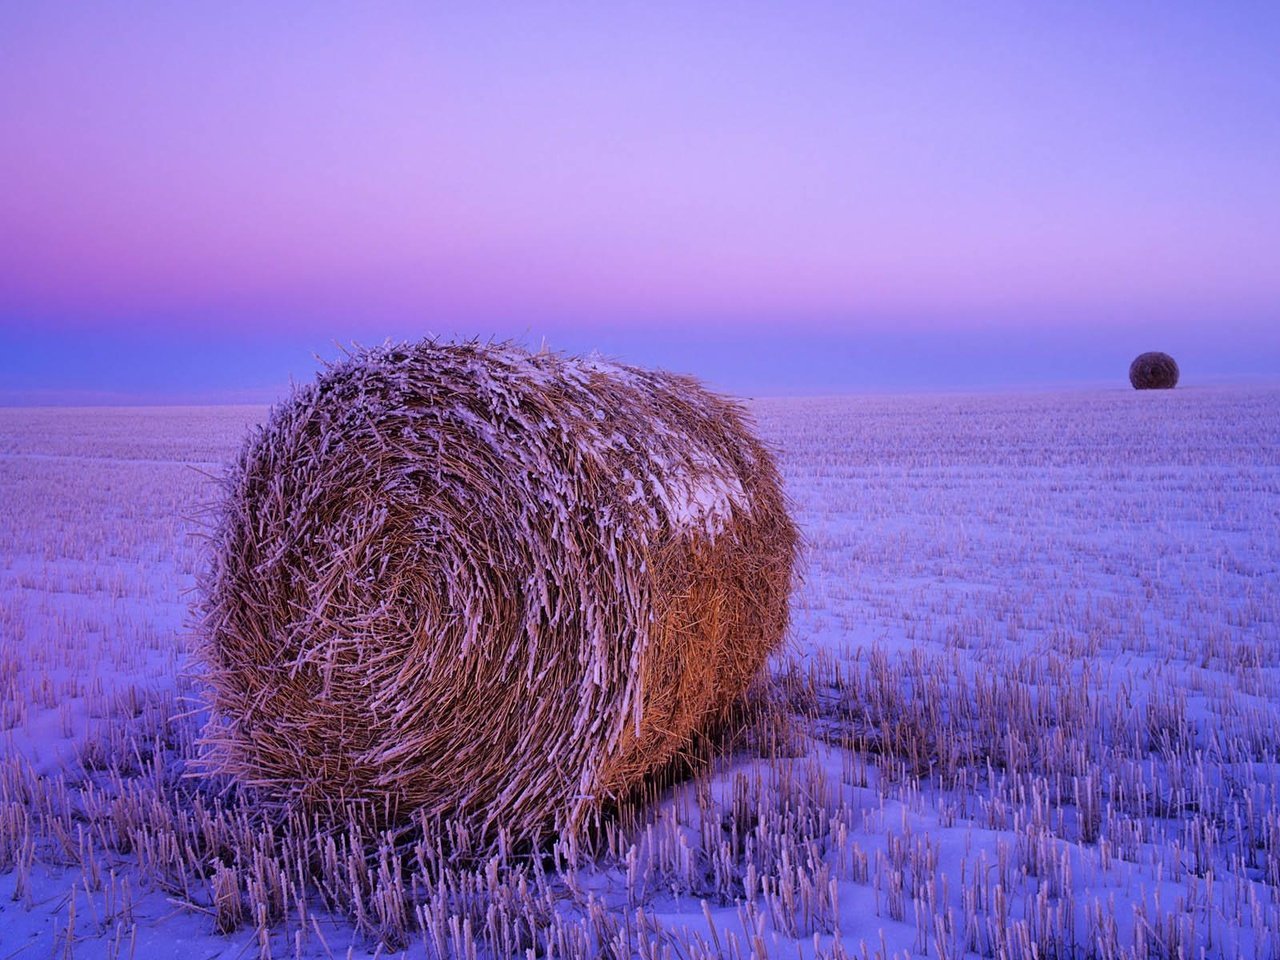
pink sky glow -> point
(355, 170)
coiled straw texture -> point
(469, 583)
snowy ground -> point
(1035, 675)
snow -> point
(698, 500)
(1045, 632)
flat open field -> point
(1034, 684)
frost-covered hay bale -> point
(487, 585)
(1153, 371)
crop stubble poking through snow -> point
(1035, 681)
(466, 582)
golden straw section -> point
(484, 585)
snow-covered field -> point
(1034, 685)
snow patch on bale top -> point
(468, 582)
(683, 488)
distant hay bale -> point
(1153, 371)
(488, 586)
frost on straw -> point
(476, 584)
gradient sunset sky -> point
(789, 197)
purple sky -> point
(195, 198)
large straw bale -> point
(488, 586)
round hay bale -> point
(488, 586)
(1153, 371)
